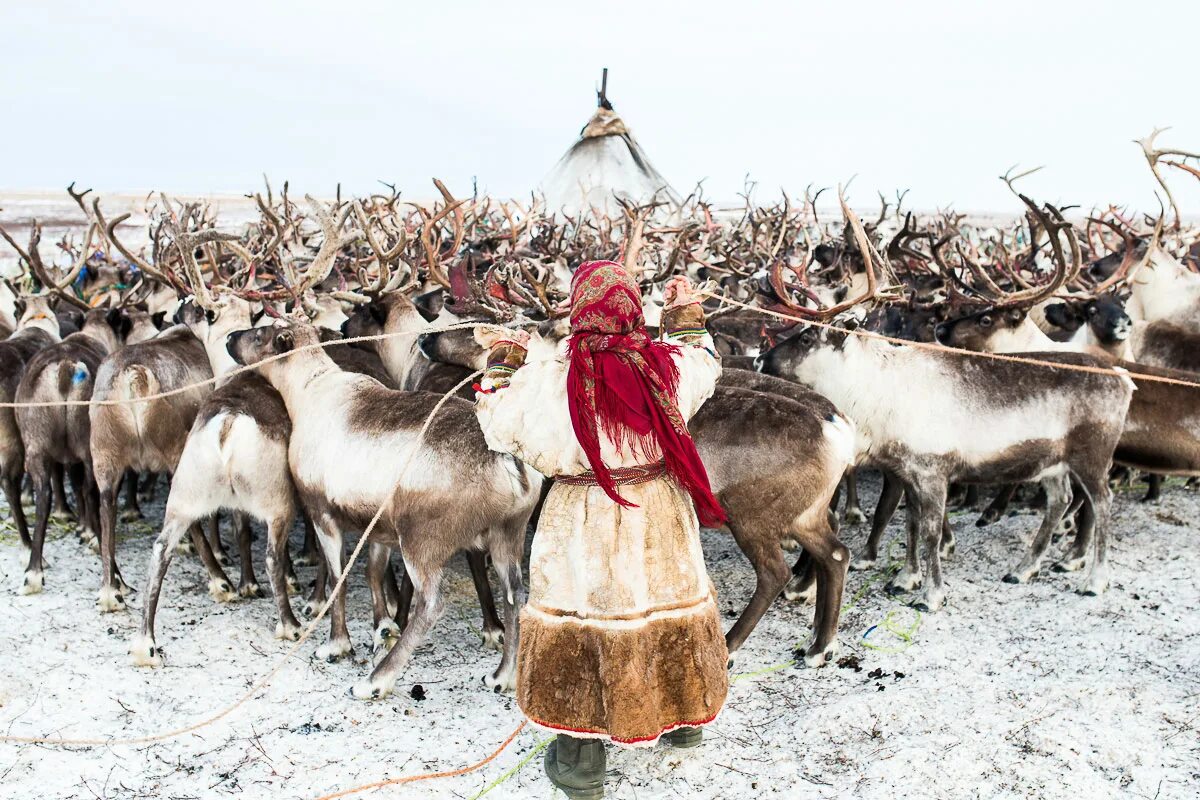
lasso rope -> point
(447, 774)
(308, 630)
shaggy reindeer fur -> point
(353, 451)
(931, 418)
(59, 434)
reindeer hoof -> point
(131, 515)
(1094, 585)
(333, 652)
(820, 658)
(500, 684)
(221, 591)
(249, 591)
(287, 632)
(293, 586)
(796, 593)
(62, 515)
(1012, 577)
(862, 564)
(493, 640)
(386, 635)
(928, 601)
(855, 516)
(185, 548)
(144, 653)
(222, 558)
(312, 608)
(305, 560)
(987, 518)
(91, 541)
(789, 544)
(33, 583)
(367, 691)
(1070, 565)
(110, 600)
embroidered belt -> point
(622, 476)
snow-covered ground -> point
(1011, 691)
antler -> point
(1153, 155)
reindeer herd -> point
(315, 364)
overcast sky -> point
(938, 97)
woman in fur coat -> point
(621, 640)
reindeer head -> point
(975, 331)
(256, 344)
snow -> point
(1010, 691)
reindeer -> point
(1036, 428)
(36, 329)
(60, 434)
(351, 444)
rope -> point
(431, 775)
(905, 635)
(374, 337)
(939, 348)
(542, 745)
(265, 679)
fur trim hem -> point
(627, 686)
(641, 742)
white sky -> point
(939, 97)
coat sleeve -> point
(699, 369)
(528, 418)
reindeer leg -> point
(288, 626)
(1058, 497)
(493, 630)
(320, 589)
(832, 559)
(506, 553)
(330, 537)
(219, 586)
(1155, 490)
(909, 576)
(34, 575)
(889, 501)
(998, 506)
(429, 607)
(931, 507)
(1096, 579)
(854, 514)
(86, 508)
(387, 632)
(404, 606)
(111, 597)
(62, 510)
(1076, 558)
(214, 541)
(948, 544)
(143, 649)
(132, 510)
(771, 574)
(310, 553)
(802, 587)
(12, 495)
(248, 582)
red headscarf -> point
(624, 383)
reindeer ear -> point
(378, 313)
(256, 316)
(18, 307)
(486, 336)
(158, 318)
(285, 340)
(1016, 315)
